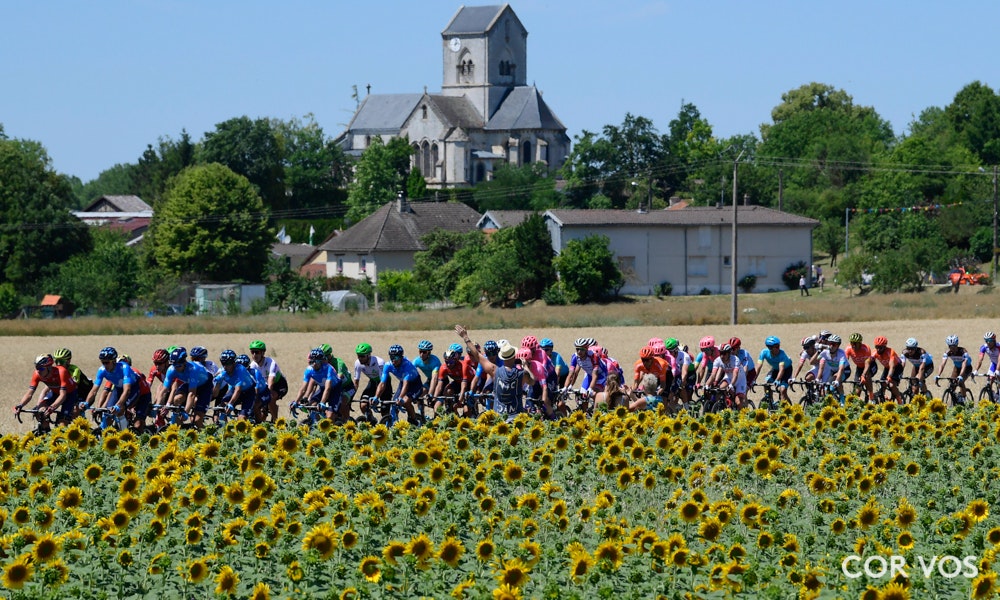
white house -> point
(486, 114)
(691, 248)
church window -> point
(425, 155)
(434, 161)
(423, 110)
(526, 153)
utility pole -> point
(781, 189)
(732, 261)
(993, 276)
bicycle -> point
(991, 390)
(882, 392)
(176, 415)
(108, 418)
(815, 391)
(914, 386)
(771, 400)
(716, 399)
(314, 413)
(582, 402)
(858, 389)
(952, 396)
(220, 414)
(478, 403)
(43, 420)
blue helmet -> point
(456, 348)
(425, 345)
(179, 355)
(546, 343)
(491, 347)
(395, 350)
(108, 353)
(243, 359)
(772, 340)
(199, 352)
(316, 354)
(227, 357)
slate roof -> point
(383, 113)
(456, 110)
(389, 230)
(125, 204)
(473, 19)
(523, 108)
(691, 216)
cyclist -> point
(240, 385)
(705, 359)
(595, 372)
(538, 391)
(60, 393)
(562, 369)
(892, 365)
(483, 383)
(199, 354)
(651, 364)
(749, 367)
(144, 399)
(263, 392)
(64, 357)
(470, 365)
(197, 380)
(347, 389)
(123, 387)
(861, 355)
(277, 383)
(161, 360)
(371, 367)
(989, 348)
(450, 378)
(320, 384)
(685, 371)
(403, 370)
(428, 364)
(809, 355)
(960, 360)
(728, 374)
(780, 363)
(834, 367)
(508, 377)
(921, 361)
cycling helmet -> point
(227, 357)
(530, 342)
(809, 342)
(449, 356)
(257, 345)
(316, 354)
(671, 343)
(425, 345)
(395, 350)
(856, 338)
(545, 343)
(598, 351)
(834, 339)
(199, 352)
(363, 348)
(653, 342)
(880, 341)
(951, 340)
(125, 358)
(726, 348)
(43, 361)
(582, 342)
(735, 342)
(659, 350)
(772, 340)
(706, 342)
(491, 347)
(523, 353)
(160, 356)
(179, 355)
(989, 335)
(244, 360)
(912, 343)
(108, 353)
(455, 349)
(327, 350)
(170, 349)
(646, 352)
(62, 356)
(825, 333)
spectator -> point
(803, 286)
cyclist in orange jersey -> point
(892, 364)
(861, 355)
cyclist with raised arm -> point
(864, 362)
(960, 361)
(780, 365)
(408, 377)
(320, 384)
(892, 365)
(123, 388)
(989, 348)
(197, 380)
(60, 394)
(241, 388)
(728, 375)
(277, 383)
(371, 367)
(921, 362)
(483, 383)
(509, 378)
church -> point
(485, 116)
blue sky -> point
(97, 81)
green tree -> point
(525, 187)
(974, 116)
(157, 165)
(447, 257)
(854, 268)
(37, 230)
(588, 270)
(116, 181)
(416, 185)
(379, 176)
(401, 286)
(534, 253)
(288, 290)
(213, 225)
(315, 168)
(250, 148)
(103, 280)
(829, 238)
(10, 303)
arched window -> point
(434, 161)
(526, 152)
(425, 155)
(415, 158)
(423, 110)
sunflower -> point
(487, 503)
(393, 551)
(451, 551)
(420, 459)
(579, 565)
(906, 515)
(320, 538)
(130, 504)
(506, 592)
(120, 519)
(984, 586)
(868, 515)
(21, 515)
(895, 591)
(979, 509)
(17, 573)
(37, 464)
(904, 540)
(514, 573)
(529, 501)
(234, 493)
(710, 529)
(349, 539)
(689, 511)
(261, 591)
(420, 547)
(46, 548)
(485, 550)
(369, 567)
(512, 472)
(838, 526)
(253, 503)
(196, 571)
(295, 572)
(92, 473)
(162, 509)
(765, 540)
(610, 552)
(193, 535)
(750, 513)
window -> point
(756, 265)
(364, 263)
(727, 261)
(423, 110)
(480, 173)
(697, 267)
(425, 155)
(340, 265)
(705, 237)
(526, 153)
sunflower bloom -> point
(507, 592)
(320, 538)
(450, 551)
(579, 565)
(46, 549)
(610, 552)
(196, 571)
(485, 550)
(369, 567)
(514, 573)
(393, 551)
(984, 586)
(17, 573)
(420, 547)
(71, 497)
(261, 591)
(226, 580)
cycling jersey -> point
(343, 373)
(993, 353)
(727, 366)
(657, 366)
(832, 361)
(682, 363)
(921, 357)
(958, 357)
(211, 367)
(405, 371)
(119, 375)
(775, 360)
(859, 354)
(239, 377)
(428, 366)
(588, 365)
(707, 357)
(192, 374)
(748, 364)
(58, 378)
(269, 367)
(372, 369)
(155, 373)
(453, 371)
(469, 368)
(887, 358)
(560, 365)
(141, 380)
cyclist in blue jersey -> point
(347, 389)
(124, 388)
(199, 354)
(241, 392)
(410, 386)
(989, 348)
(195, 377)
(780, 364)
(562, 369)
(595, 370)
(320, 384)
(428, 364)
(260, 384)
(277, 383)
(921, 361)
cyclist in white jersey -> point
(989, 348)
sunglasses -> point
(256, 352)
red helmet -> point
(735, 342)
(647, 352)
(706, 342)
(726, 348)
(530, 342)
(880, 341)
(160, 356)
(523, 354)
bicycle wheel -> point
(949, 398)
(718, 405)
(749, 404)
(985, 395)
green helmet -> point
(170, 349)
(671, 343)
(62, 356)
(327, 350)
(257, 345)
(363, 348)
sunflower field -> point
(751, 505)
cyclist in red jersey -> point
(650, 363)
(451, 376)
(861, 355)
(60, 393)
(892, 365)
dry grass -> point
(829, 306)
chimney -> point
(401, 205)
